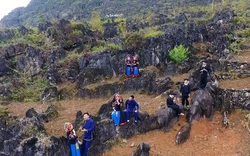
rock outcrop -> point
(27, 136)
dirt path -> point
(242, 57)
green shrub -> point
(179, 54)
(95, 22)
(98, 49)
(4, 111)
(133, 39)
(29, 90)
(70, 57)
(113, 46)
(151, 32)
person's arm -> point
(189, 90)
(181, 87)
(126, 104)
(170, 101)
(83, 127)
(137, 106)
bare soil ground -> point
(243, 57)
(206, 138)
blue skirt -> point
(75, 149)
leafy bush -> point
(4, 111)
(151, 32)
(113, 46)
(98, 49)
(179, 54)
(133, 39)
(96, 23)
(29, 90)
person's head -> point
(131, 97)
(135, 57)
(86, 116)
(186, 81)
(120, 100)
(68, 127)
(204, 64)
(172, 94)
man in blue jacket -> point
(131, 107)
(88, 129)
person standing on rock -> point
(131, 107)
(88, 129)
(204, 71)
(173, 105)
(185, 92)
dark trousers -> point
(203, 81)
(128, 112)
(176, 108)
(184, 99)
(85, 147)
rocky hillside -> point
(64, 59)
(78, 10)
(70, 57)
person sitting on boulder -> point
(116, 112)
(131, 107)
(135, 65)
(173, 105)
(129, 64)
(118, 98)
(204, 71)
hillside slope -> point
(39, 10)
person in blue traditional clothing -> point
(116, 113)
(72, 139)
(128, 61)
(135, 65)
(88, 129)
(131, 107)
(118, 100)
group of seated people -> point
(121, 112)
(132, 107)
(132, 66)
(121, 117)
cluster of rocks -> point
(27, 136)
(230, 99)
(234, 69)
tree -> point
(122, 26)
(95, 22)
